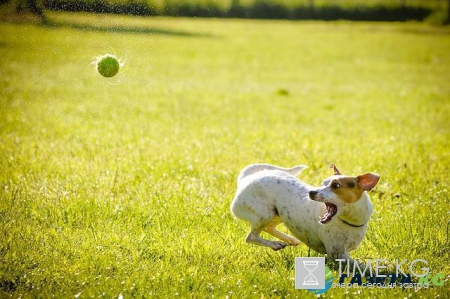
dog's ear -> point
(336, 170)
(368, 180)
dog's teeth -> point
(331, 210)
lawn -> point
(122, 186)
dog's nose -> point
(312, 194)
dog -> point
(330, 219)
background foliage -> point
(376, 10)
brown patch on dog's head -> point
(350, 189)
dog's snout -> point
(312, 194)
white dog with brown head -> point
(330, 219)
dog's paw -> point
(278, 245)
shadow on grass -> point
(122, 29)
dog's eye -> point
(335, 185)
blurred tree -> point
(32, 6)
(448, 12)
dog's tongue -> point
(331, 211)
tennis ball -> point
(108, 65)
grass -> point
(123, 185)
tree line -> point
(259, 9)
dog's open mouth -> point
(331, 211)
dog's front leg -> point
(338, 256)
(336, 251)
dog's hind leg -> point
(254, 238)
(272, 229)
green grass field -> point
(123, 185)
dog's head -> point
(339, 190)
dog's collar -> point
(352, 225)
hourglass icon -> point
(310, 279)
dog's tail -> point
(253, 168)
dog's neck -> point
(357, 214)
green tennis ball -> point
(108, 65)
